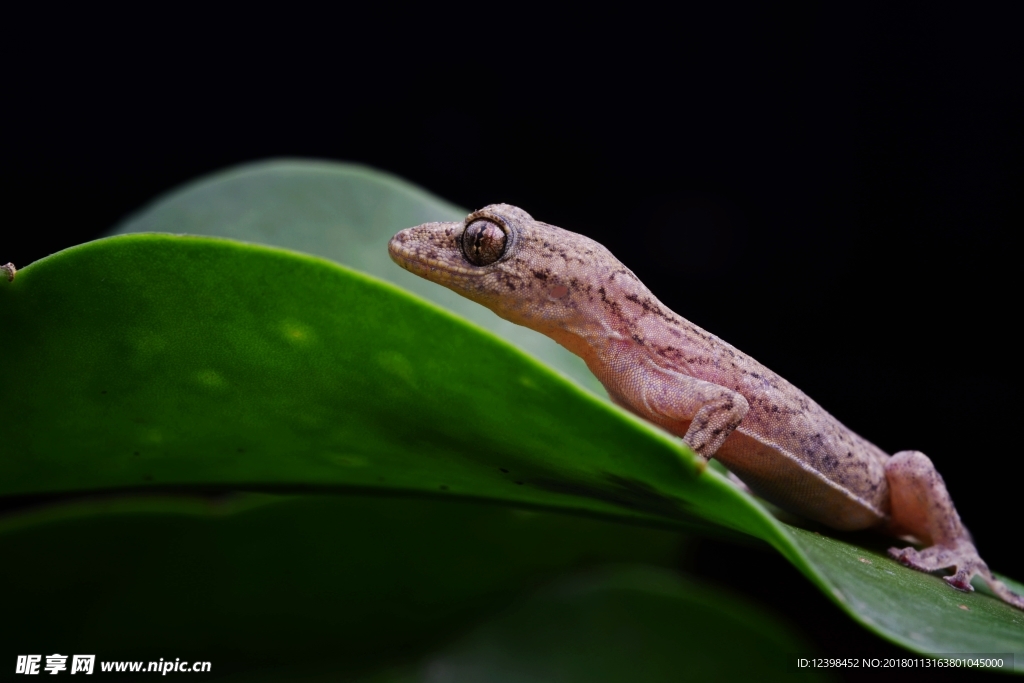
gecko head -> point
(473, 257)
(524, 270)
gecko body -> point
(722, 402)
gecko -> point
(724, 404)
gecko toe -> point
(905, 556)
(960, 581)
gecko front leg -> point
(922, 506)
(717, 418)
(708, 412)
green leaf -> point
(247, 582)
(152, 361)
(622, 624)
(179, 360)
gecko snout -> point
(431, 246)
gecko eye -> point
(483, 242)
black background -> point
(831, 190)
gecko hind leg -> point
(921, 505)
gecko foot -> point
(963, 558)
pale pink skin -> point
(723, 403)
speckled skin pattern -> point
(723, 403)
(9, 270)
